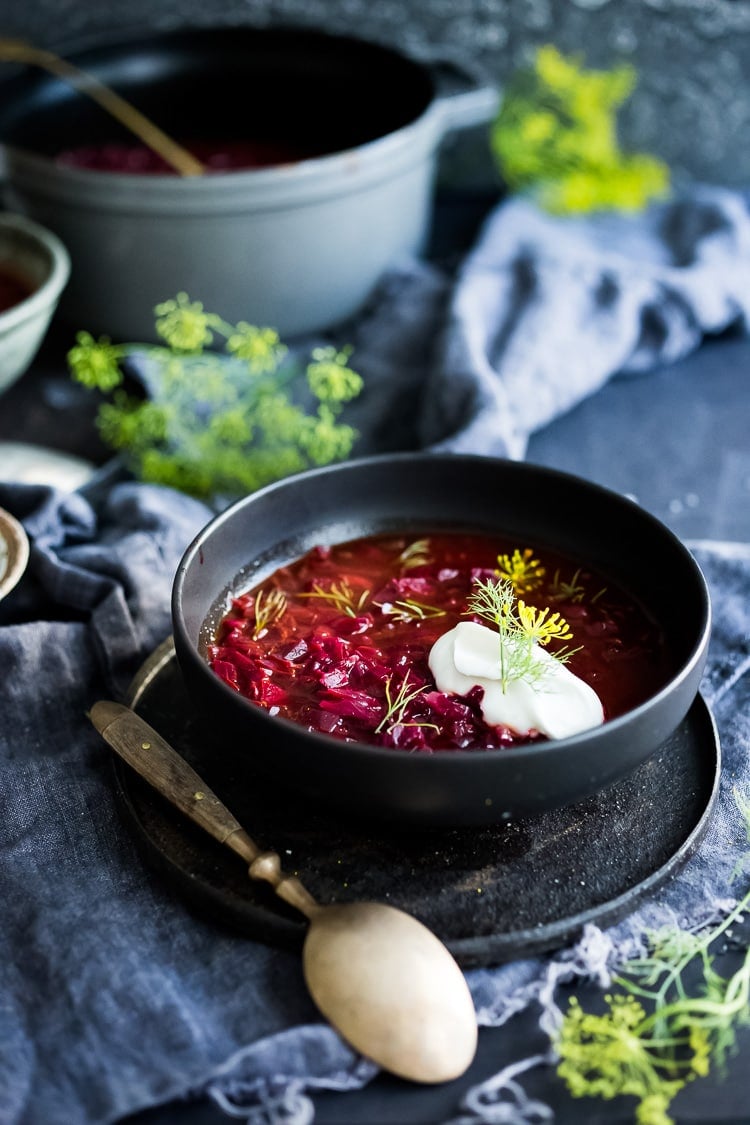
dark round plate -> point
(522, 887)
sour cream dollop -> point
(559, 704)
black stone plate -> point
(519, 888)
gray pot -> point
(298, 246)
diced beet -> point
(352, 704)
(227, 672)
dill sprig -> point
(562, 591)
(221, 411)
(416, 554)
(556, 135)
(396, 705)
(266, 610)
(341, 596)
(409, 609)
(690, 1026)
(520, 629)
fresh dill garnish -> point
(520, 628)
(524, 572)
(556, 136)
(266, 610)
(211, 423)
(690, 1026)
(409, 609)
(396, 705)
(562, 591)
(416, 554)
(341, 595)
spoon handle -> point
(144, 749)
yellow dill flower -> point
(95, 363)
(541, 628)
(522, 570)
(184, 324)
(329, 378)
(259, 347)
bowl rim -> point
(52, 286)
(405, 761)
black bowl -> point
(420, 493)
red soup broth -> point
(329, 640)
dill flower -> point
(327, 440)
(522, 570)
(94, 363)
(261, 348)
(539, 627)
(184, 325)
(329, 377)
(606, 1056)
(556, 133)
(218, 425)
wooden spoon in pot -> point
(14, 50)
(385, 981)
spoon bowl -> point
(402, 1001)
(379, 976)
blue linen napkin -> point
(112, 997)
(542, 312)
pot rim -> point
(320, 177)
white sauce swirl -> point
(558, 704)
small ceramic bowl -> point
(416, 494)
(14, 552)
(37, 259)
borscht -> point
(440, 642)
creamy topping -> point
(557, 704)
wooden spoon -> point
(385, 981)
(14, 50)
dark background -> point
(691, 105)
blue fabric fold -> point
(541, 313)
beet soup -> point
(340, 640)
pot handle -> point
(463, 99)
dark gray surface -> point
(677, 439)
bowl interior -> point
(321, 91)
